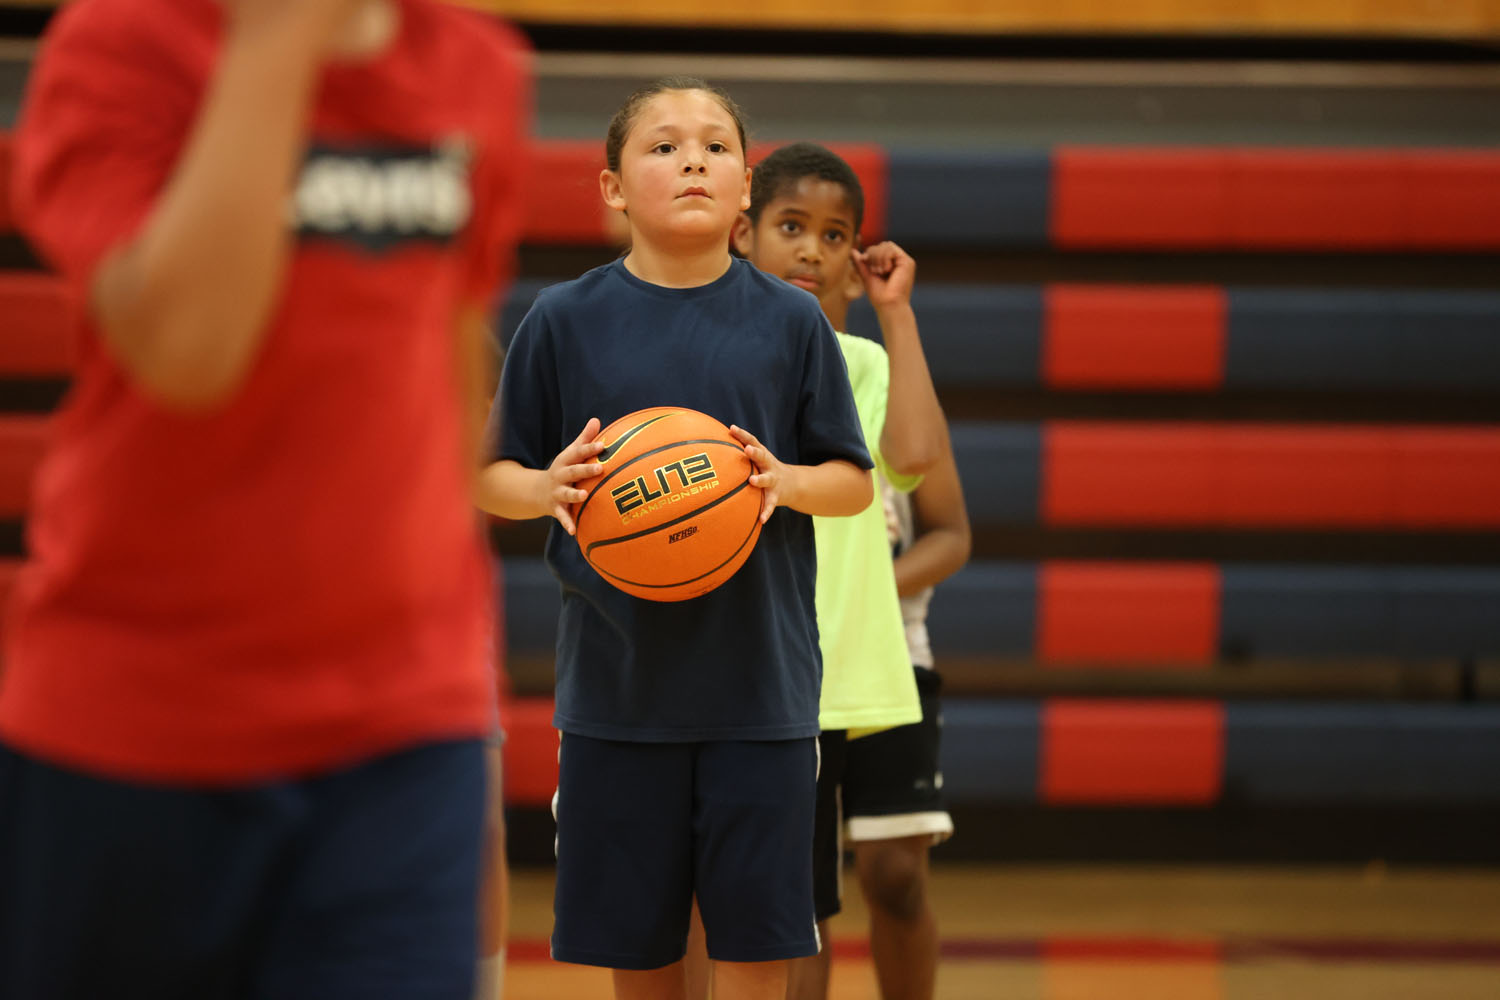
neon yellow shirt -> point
(867, 675)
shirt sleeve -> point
(500, 174)
(525, 422)
(104, 120)
(828, 423)
(870, 375)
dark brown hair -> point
(624, 119)
(780, 172)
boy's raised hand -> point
(772, 477)
(573, 463)
(888, 273)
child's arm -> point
(911, 441)
(834, 488)
(183, 305)
(942, 544)
(510, 490)
(475, 356)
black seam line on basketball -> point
(647, 454)
(609, 452)
(665, 524)
(754, 523)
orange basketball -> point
(673, 514)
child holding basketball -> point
(247, 681)
(807, 206)
(688, 750)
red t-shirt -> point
(294, 581)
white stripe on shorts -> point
(939, 824)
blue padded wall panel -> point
(964, 198)
(1309, 339)
(990, 750)
(1447, 339)
(1001, 468)
(1323, 611)
(1394, 754)
(1447, 612)
(1306, 611)
(972, 334)
(1313, 339)
(986, 608)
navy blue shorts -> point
(361, 883)
(643, 827)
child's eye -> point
(717, 147)
(834, 236)
(663, 147)
(791, 228)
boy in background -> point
(807, 207)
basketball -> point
(672, 515)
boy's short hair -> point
(782, 170)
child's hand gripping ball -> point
(672, 514)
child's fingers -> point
(589, 432)
(754, 450)
(578, 451)
(887, 257)
(583, 470)
(564, 518)
(878, 256)
(862, 265)
(767, 505)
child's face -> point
(805, 236)
(682, 169)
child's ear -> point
(854, 285)
(742, 236)
(609, 188)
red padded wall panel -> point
(1104, 473)
(1307, 476)
(1134, 752)
(563, 204)
(1314, 476)
(530, 751)
(1139, 197)
(1135, 337)
(1318, 199)
(1453, 198)
(1163, 614)
(1447, 476)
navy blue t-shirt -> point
(742, 661)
